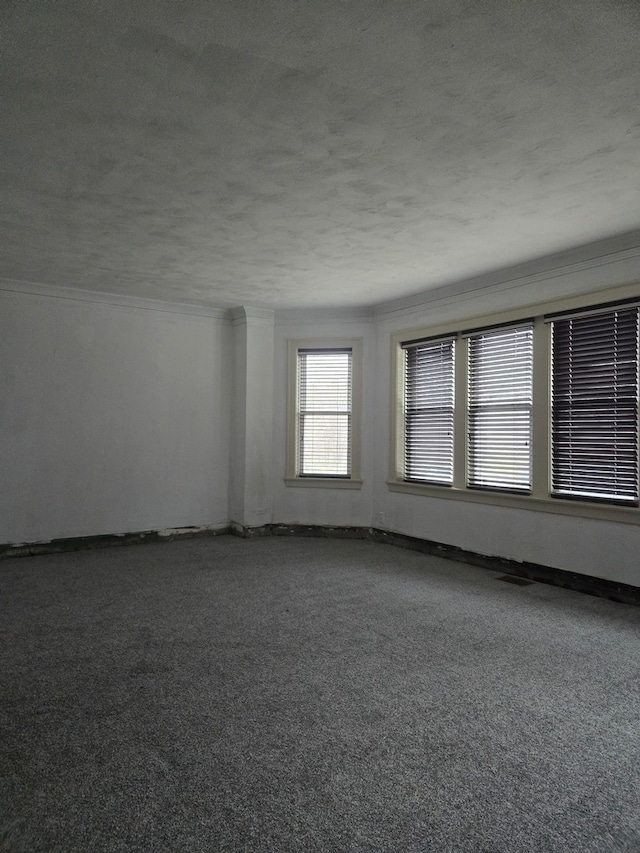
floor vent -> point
(515, 580)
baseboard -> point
(324, 531)
(614, 591)
(243, 532)
(108, 540)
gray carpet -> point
(307, 694)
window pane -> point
(500, 401)
(595, 407)
(324, 444)
(325, 381)
(324, 413)
(429, 402)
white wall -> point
(587, 546)
(250, 493)
(113, 419)
(117, 418)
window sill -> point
(555, 506)
(322, 483)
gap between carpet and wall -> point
(612, 590)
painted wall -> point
(587, 546)
(113, 419)
(297, 505)
(593, 547)
(250, 493)
(117, 418)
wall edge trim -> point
(622, 593)
(116, 300)
(506, 279)
(588, 584)
(108, 540)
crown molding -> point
(623, 267)
(244, 314)
(300, 316)
(118, 300)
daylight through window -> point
(595, 406)
(429, 397)
(500, 400)
(324, 428)
(544, 407)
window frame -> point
(292, 477)
(540, 498)
(486, 408)
(410, 347)
(587, 381)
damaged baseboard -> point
(613, 590)
(324, 531)
(621, 592)
(600, 587)
(108, 540)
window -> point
(500, 400)
(324, 413)
(541, 412)
(428, 411)
(595, 406)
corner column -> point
(250, 482)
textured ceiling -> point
(311, 152)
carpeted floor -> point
(311, 695)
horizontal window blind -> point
(594, 413)
(500, 402)
(428, 412)
(324, 413)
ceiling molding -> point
(30, 288)
(299, 316)
(246, 314)
(622, 267)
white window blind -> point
(595, 406)
(324, 412)
(500, 402)
(428, 412)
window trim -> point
(292, 478)
(611, 334)
(479, 335)
(540, 498)
(409, 347)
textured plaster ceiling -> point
(310, 152)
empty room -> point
(319, 437)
